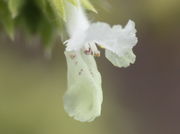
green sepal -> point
(6, 19)
(15, 7)
(87, 4)
(58, 8)
(74, 2)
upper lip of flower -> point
(115, 39)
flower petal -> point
(121, 61)
(117, 41)
(77, 23)
(83, 98)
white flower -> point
(83, 98)
(117, 41)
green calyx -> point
(45, 18)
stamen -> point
(91, 49)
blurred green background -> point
(142, 99)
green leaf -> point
(6, 20)
(58, 8)
(74, 2)
(15, 6)
(42, 4)
(31, 16)
(87, 4)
